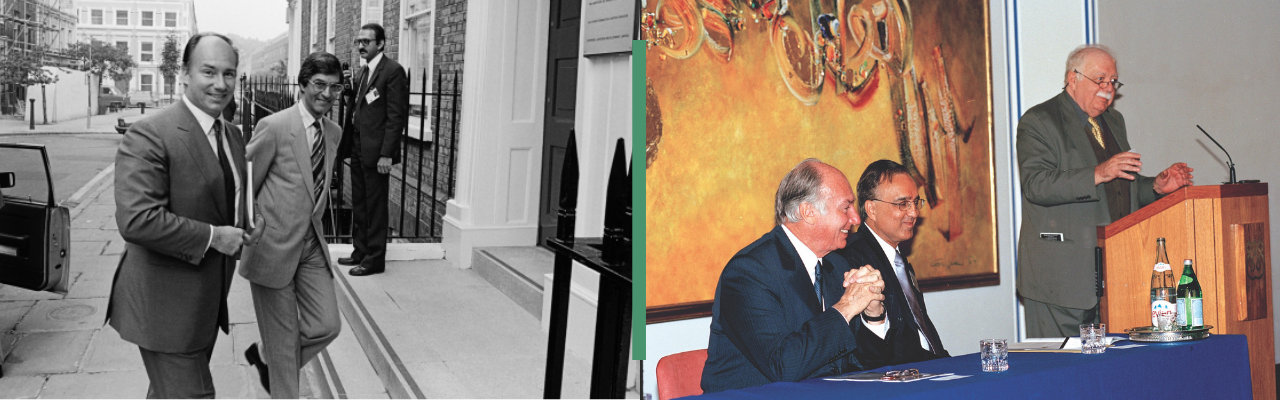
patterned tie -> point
(817, 285)
(908, 288)
(317, 161)
(1097, 132)
(228, 177)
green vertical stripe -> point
(637, 199)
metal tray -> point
(1150, 334)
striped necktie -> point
(1097, 131)
(317, 161)
(908, 289)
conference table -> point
(1216, 367)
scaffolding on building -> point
(40, 27)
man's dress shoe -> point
(362, 271)
(251, 355)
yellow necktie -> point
(1097, 132)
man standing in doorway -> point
(379, 113)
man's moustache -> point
(1105, 95)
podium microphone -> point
(1230, 165)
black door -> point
(34, 231)
(562, 94)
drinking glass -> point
(1093, 338)
(995, 355)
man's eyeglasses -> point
(323, 86)
(362, 42)
(905, 204)
(1115, 83)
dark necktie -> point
(228, 177)
(908, 289)
(317, 161)
(817, 285)
(364, 83)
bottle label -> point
(1161, 308)
(1191, 308)
(1161, 267)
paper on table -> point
(875, 377)
(1055, 345)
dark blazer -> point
(1055, 164)
(766, 323)
(170, 291)
(903, 336)
(379, 125)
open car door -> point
(35, 242)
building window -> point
(148, 18)
(122, 17)
(170, 19)
(146, 83)
(418, 49)
(123, 45)
(96, 17)
(147, 54)
(328, 23)
(168, 85)
(372, 11)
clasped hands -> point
(228, 239)
(863, 291)
(1121, 165)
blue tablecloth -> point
(1216, 367)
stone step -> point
(517, 272)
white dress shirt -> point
(206, 124)
(892, 253)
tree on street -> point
(170, 65)
(26, 68)
(104, 58)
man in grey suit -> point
(1077, 173)
(179, 175)
(292, 152)
(378, 115)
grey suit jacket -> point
(281, 154)
(1056, 161)
(170, 290)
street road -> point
(73, 158)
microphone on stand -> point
(1230, 165)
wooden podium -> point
(1224, 231)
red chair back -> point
(680, 374)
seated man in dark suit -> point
(782, 311)
(888, 204)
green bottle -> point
(1190, 299)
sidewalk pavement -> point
(57, 347)
(98, 123)
(427, 328)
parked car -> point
(35, 242)
(111, 98)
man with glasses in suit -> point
(889, 203)
(288, 266)
(1077, 172)
(378, 115)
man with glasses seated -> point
(1077, 172)
(889, 203)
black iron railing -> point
(425, 179)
